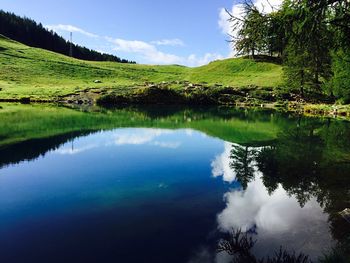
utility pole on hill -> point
(71, 45)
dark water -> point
(169, 193)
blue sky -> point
(188, 32)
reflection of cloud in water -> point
(72, 150)
(137, 137)
(221, 165)
(171, 145)
(189, 132)
(143, 136)
(278, 218)
(152, 137)
(274, 213)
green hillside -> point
(41, 74)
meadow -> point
(43, 75)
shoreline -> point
(319, 110)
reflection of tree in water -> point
(243, 163)
(34, 148)
(310, 160)
(239, 245)
(294, 162)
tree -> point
(251, 28)
(339, 19)
(312, 38)
(276, 35)
(257, 32)
(340, 83)
(307, 56)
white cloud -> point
(237, 10)
(169, 42)
(148, 51)
(224, 24)
(153, 55)
(268, 6)
(70, 28)
(193, 60)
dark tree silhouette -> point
(28, 32)
(239, 244)
(241, 162)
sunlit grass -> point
(41, 74)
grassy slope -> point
(238, 72)
(41, 74)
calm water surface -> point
(169, 188)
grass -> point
(44, 75)
(238, 72)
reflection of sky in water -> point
(147, 186)
(153, 137)
(278, 219)
(104, 164)
(110, 193)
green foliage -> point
(295, 66)
(258, 33)
(307, 56)
(304, 33)
(340, 83)
(276, 34)
(251, 36)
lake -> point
(168, 184)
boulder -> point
(97, 81)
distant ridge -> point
(29, 32)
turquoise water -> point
(170, 195)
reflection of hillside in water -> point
(62, 125)
(34, 148)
